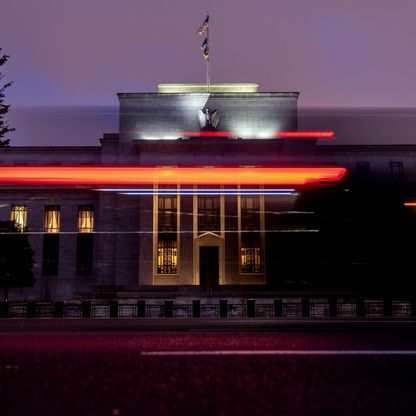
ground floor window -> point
(250, 254)
(50, 258)
(167, 257)
(84, 254)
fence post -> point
(196, 308)
(141, 309)
(223, 308)
(306, 307)
(168, 308)
(333, 307)
(31, 309)
(58, 309)
(413, 307)
(360, 307)
(4, 309)
(251, 308)
(114, 309)
(388, 307)
(278, 308)
(86, 309)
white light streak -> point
(282, 230)
(200, 191)
(282, 352)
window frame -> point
(172, 234)
(245, 234)
(82, 219)
(22, 226)
(46, 219)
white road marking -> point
(280, 352)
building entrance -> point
(209, 268)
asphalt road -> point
(208, 373)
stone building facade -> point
(205, 238)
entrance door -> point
(209, 268)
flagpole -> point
(208, 63)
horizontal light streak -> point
(246, 87)
(150, 175)
(200, 191)
(410, 204)
(298, 134)
(327, 134)
(271, 231)
(206, 193)
(282, 352)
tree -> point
(4, 108)
(16, 258)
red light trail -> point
(165, 175)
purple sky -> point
(344, 53)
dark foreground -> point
(232, 374)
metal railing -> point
(249, 308)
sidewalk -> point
(205, 324)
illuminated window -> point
(167, 257)
(167, 238)
(85, 219)
(52, 222)
(18, 215)
(250, 255)
(208, 214)
(250, 234)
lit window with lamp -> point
(18, 214)
(52, 219)
(85, 219)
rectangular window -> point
(209, 214)
(18, 214)
(50, 259)
(85, 219)
(167, 238)
(84, 254)
(250, 234)
(396, 169)
(167, 257)
(250, 213)
(250, 254)
(167, 214)
(52, 220)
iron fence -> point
(278, 308)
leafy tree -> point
(16, 258)
(4, 108)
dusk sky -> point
(345, 53)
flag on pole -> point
(205, 49)
(204, 26)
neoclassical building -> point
(207, 194)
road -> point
(208, 373)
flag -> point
(204, 26)
(205, 49)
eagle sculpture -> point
(208, 119)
